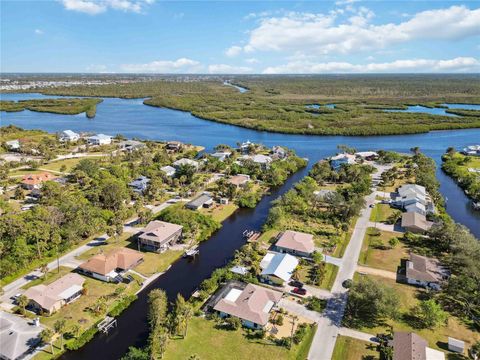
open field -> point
(409, 297)
(347, 348)
(377, 253)
(207, 342)
(278, 103)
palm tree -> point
(22, 302)
(59, 327)
(46, 336)
(187, 315)
(44, 270)
(75, 330)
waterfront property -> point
(336, 162)
(158, 236)
(279, 152)
(68, 136)
(263, 160)
(415, 222)
(174, 146)
(109, 267)
(222, 155)
(295, 243)
(410, 346)
(35, 181)
(99, 139)
(203, 200)
(472, 150)
(367, 155)
(250, 303)
(52, 297)
(131, 145)
(140, 184)
(425, 272)
(414, 198)
(277, 269)
(18, 336)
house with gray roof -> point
(18, 336)
(203, 200)
(410, 346)
(68, 136)
(277, 268)
(425, 272)
(99, 139)
(415, 222)
(140, 184)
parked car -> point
(372, 205)
(299, 291)
(296, 283)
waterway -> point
(436, 110)
(239, 88)
(132, 119)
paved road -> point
(330, 323)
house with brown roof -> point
(295, 243)
(424, 271)
(410, 346)
(52, 297)
(415, 222)
(159, 235)
(34, 181)
(109, 267)
(250, 303)
(239, 180)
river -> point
(132, 119)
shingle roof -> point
(104, 264)
(159, 231)
(297, 241)
(423, 268)
(414, 219)
(408, 346)
(253, 304)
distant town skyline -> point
(250, 37)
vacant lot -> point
(378, 253)
(347, 348)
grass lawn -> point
(437, 338)
(393, 187)
(347, 348)
(381, 212)
(69, 163)
(50, 277)
(373, 255)
(342, 246)
(207, 342)
(267, 236)
(327, 281)
(123, 240)
(221, 212)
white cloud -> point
(233, 51)
(459, 64)
(38, 32)
(228, 69)
(321, 34)
(182, 65)
(252, 61)
(94, 7)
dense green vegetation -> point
(277, 103)
(56, 106)
(456, 165)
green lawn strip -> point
(408, 298)
(23, 172)
(347, 348)
(155, 263)
(208, 342)
(331, 272)
(381, 212)
(50, 277)
(374, 255)
(340, 248)
(221, 212)
(267, 236)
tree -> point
(75, 330)
(46, 336)
(44, 270)
(233, 323)
(22, 302)
(393, 242)
(19, 194)
(59, 327)
(136, 354)
(429, 313)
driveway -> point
(330, 322)
(357, 335)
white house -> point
(277, 269)
(336, 162)
(185, 161)
(99, 139)
(221, 155)
(68, 136)
(13, 145)
(168, 170)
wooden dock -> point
(251, 235)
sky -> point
(240, 37)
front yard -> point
(347, 348)
(207, 341)
(306, 275)
(379, 254)
(381, 212)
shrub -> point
(82, 339)
(121, 305)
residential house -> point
(425, 272)
(140, 184)
(472, 150)
(279, 152)
(168, 170)
(131, 145)
(295, 243)
(336, 162)
(250, 303)
(109, 267)
(367, 155)
(222, 155)
(323, 193)
(52, 297)
(415, 222)
(185, 161)
(277, 269)
(410, 346)
(68, 136)
(18, 336)
(159, 235)
(263, 160)
(99, 139)
(174, 146)
(203, 200)
(13, 145)
(414, 198)
(239, 180)
(34, 181)
(246, 147)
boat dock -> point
(192, 252)
(251, 235)
(106, 324)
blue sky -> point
(153, 36)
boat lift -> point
(106, 324)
